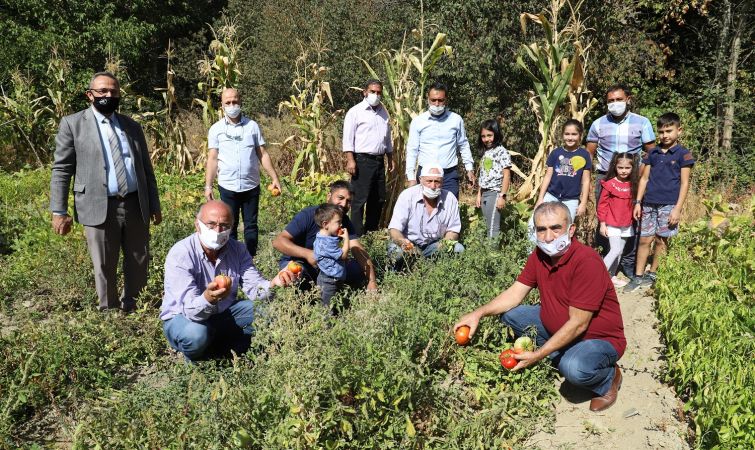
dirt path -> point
(645, 416)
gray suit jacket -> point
(78, 154)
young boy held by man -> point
(331, 257)
(660, 196)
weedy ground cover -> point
(385, 373)
(706, 305)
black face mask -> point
(106, 105)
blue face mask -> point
(556, 247)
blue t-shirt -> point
(328, 255)
(666, 174)
(303, 229)
(566, 182)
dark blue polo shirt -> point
(666, 174)
(566, 182)
(304, 230)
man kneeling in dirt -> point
(201, 315)
(578, 321)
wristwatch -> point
(638, 202)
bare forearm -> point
(506, 181)
(572, 329)
(683, 189)
(363, 259)
(267, 164)
(451, 236)
(396, 236)
(211, 168)
(287, 247)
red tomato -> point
(294, 267)
(223, 281)
(462, 335)
(507, 359)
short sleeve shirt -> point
(491, 167)
(566, 182)
(626, 136)
(666, 174)
(304, 230)
(328, 255)
(578, 279)
(238, 164)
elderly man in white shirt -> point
(423, 218)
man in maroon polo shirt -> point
(578, 321)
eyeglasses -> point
(113, 92)
(218, 226)
(237, 138)
(432, 235)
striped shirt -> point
(627, 136)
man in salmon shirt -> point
(578, 321)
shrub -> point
(705, 304)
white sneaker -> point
(618, 282)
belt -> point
(371, 156)
(121, 197)
(601, 172)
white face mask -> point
(232, 111)
(556, 247)
(430, 192)
(211, 238)
(373, 99)
(436, 110)
(617, 108)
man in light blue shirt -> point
(435, 136)
(236, 151)
(619, 131)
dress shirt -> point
(104, 128)
(237, 143)
(626, 136)
(410, 216)
(366, 130)
(188, 271)
(434, 139)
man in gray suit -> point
(114, 190)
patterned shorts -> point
(655, 221)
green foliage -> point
(705, 304)
(385, 373)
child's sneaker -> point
(651, 276)
(634, 284)
(618, 282)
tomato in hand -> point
(294, 267)
(223, 281)
(507, 359)
(462, 335)
(523, 344)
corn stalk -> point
(406, 73)
(22, 115)
(556, 67)
(315, 150)
(166, 130)
(220, 69)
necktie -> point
(118, 166)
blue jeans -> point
(229, 330)
(585, 363)
(248, 204)
(396, 255)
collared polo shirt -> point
(238, 164)
(434, 139)
(666, 174)
(626, 136)
(410, 216)
(366, 130)
(103, 127)
(188, 271)
(578, 279)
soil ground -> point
(646, 414)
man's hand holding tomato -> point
(527, 359)
(213, 294)
(470, 320)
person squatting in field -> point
(578, 321)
